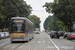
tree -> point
(36, 21)
(64, 10)
(53, 23)
(11, 11)
(2, 16)
(48, 22)
(13, 8)
(23, 8)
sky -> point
(38, 10)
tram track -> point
(34, 43)
(29, 45)
(18, 46)
(40, 42)
(11, 46)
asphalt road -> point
(40, 42)
(64, 44)
(3, 41)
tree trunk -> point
(70, 29)
(2, 30)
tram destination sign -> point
(17, 20)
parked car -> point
(7, 34)
(61, 33)
(65, 34)
(51, 32)
(48, 33)
(55, 34)
(37, 32)
(2, 35)
(71, 35)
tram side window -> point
(29, 28)
(26, 28)
(23, 27)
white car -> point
(37, 32)
(2, 34)
(7, 34)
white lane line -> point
(39, 42)
(53, 43)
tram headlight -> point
(24, 34)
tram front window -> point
(18, 27)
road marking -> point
(6, 47)
(50, 47)
(13, 47)
(21, 46)
(43, 41)
(38, 42)
(61, 37)
(53, 43)
(5, 43)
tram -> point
(21, 29)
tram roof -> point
(22, 18)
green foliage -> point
(2, 16)
(12, 8)
(23, 8)
(52, 23)
(64, 10)
(36, 21)
(48, 22)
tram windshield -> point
(18, 27)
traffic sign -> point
(73, 25)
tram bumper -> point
(18, 38)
